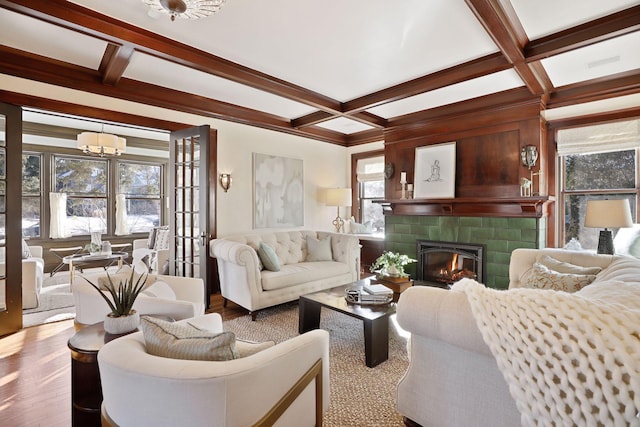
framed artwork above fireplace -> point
(435, 171)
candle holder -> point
(404, 190)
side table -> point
(396, 284)
(86, 389)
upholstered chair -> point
(286, 384)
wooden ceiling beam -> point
(311, 119)
(627, 83)
(596, 31)
(115, 61)
(469, 70)
(86, 21)
(502, 25)
(34, 67)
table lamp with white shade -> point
(608, 213)
(338, 197)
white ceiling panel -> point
(543, 17)
(497, 82)
(612, 56)
(344, 125)
(49, 40)
(342, 49)
(153, 70)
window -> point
(370, 176)
(140, 184)
(31, 194)
(598, 162)
(84, 181)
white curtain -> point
(122, 225)
(57, 227)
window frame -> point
(563, 193)
(356, 189)
(161, 195)
(40, 196)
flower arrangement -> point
(391, 264)
(92, 248)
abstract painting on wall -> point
(278, 192)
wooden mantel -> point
(515, 207)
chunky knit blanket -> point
(568, 360)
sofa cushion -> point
(541, 277)
(26, 252)
(303, 272)
(186, 341)
(268, 257)
(319, 249)
(565, 267)
(623, 268)
(159, 289)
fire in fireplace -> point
(444, 263)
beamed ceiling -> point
(338, 71)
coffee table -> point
(375, 318)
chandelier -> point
(101, 144)
(187, 9)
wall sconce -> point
(529, 155)
(225, 181)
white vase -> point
(393, 271)
(121, 324)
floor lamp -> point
(338, 197)
(607, 214)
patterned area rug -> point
(360, 396)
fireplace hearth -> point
(444, 263)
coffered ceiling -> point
(336, 71)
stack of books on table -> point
(377, 289)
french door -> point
(192, 184)
(10, 219)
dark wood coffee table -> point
(375, 318)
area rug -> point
(360, 396)
(56, 303)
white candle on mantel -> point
(403, 177)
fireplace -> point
(444, 263)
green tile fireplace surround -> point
(500, 236)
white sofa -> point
(189, 299)
(453, 379)
(141, 389)
(243, 281)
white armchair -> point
(140, 389)
(189, 299)
(159, 257)
(32, 277)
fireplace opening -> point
(444, 263)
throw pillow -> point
(565, 267)
(26, 252)
(357, 228)
(247, 348)
(540, 277)
(319, 250)
(186, 341)
(151, 240)
(163, 238)
(268, 257)
(160, 289)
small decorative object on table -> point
(123, 318)
(357, 295)
(391, 264)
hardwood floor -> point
(35, 372)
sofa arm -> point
(140, 244)
(440, 314)
(346, 249)
(186, 288)
(36, 251)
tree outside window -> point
(141, 184)
(85, 183)
(31, 194)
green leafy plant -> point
(92, 247)
(124, 296)
(391, 264)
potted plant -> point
(123, 318)
(391, 264)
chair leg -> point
(224, 302)
(253, 315)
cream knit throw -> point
(568, 360)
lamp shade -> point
(101, 143)
(613, 213)
(338, 197)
